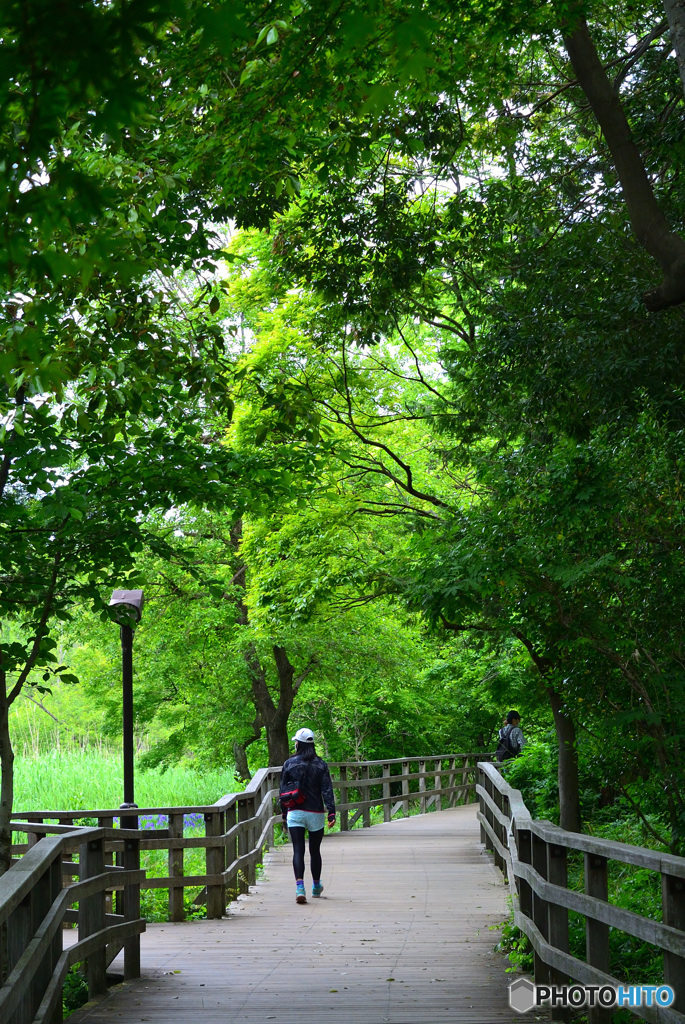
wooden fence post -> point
(437, 799)
(34, 837)
(132, 907)
(405, 787)
(67, 880)
(344, 817)
(269, 810)
(540, 907)
(524, 850)
(251, 840)
(499, 831)
(387, 806)
(673, 898)
(503, 832)
(243, 815)
(557, 873)
(450, 785)
(107, 821)
(365, 793)
(231, 817)
(176, 911)
(19, 934)
(422, 787)
(91, 914)
(481, 804)
(596, 932)
(23, 924)
(215, 864)
(490, 818)
(57, 944)
(466, 797)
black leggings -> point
(297, 836)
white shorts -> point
(313, 821)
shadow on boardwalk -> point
(402, 935)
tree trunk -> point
(272, 714)
(7, 784)
(242, 768)
(569, 786)
(649, 224)
(240, 750)
(675, 12)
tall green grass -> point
(91, 778)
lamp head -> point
(128, 604)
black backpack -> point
(292, 792)
(504, 751)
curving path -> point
(403, 934)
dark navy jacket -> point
(313, 778)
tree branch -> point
(649, 223)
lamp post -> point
(128, 605)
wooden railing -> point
(534, 856)
(402, 784)
(34, 904)
(237, 829)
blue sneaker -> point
(317, 889)
(300, 896)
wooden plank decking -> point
(402, 935)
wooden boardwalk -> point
(403, 934)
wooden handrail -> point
(238, 828)
(34, 905)
(532, 855)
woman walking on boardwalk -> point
(305, 788)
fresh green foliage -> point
(90, 779)
(75, 990)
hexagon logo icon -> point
(522, 995)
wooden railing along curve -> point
(34, 905)
(238, 827)
(533, 855)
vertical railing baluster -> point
(422, 787)
(131, 907)
(437, 799)
(176, 869)
(91, 914)
(45, 891)
(232, 886)
(214, 861)
(34, 837)
(481, 806)
(596, 932)
(19, 934)
(466, 797)
(107, 821)
(344, 798)
(540, 907)
(387, 799)
(673, 903)
(499, 831)
(252, 840)
(524, 850)
(490, 790)
(557, 873)
(450, 781)
(365, 791)
(405, 787)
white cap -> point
(304, 736)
